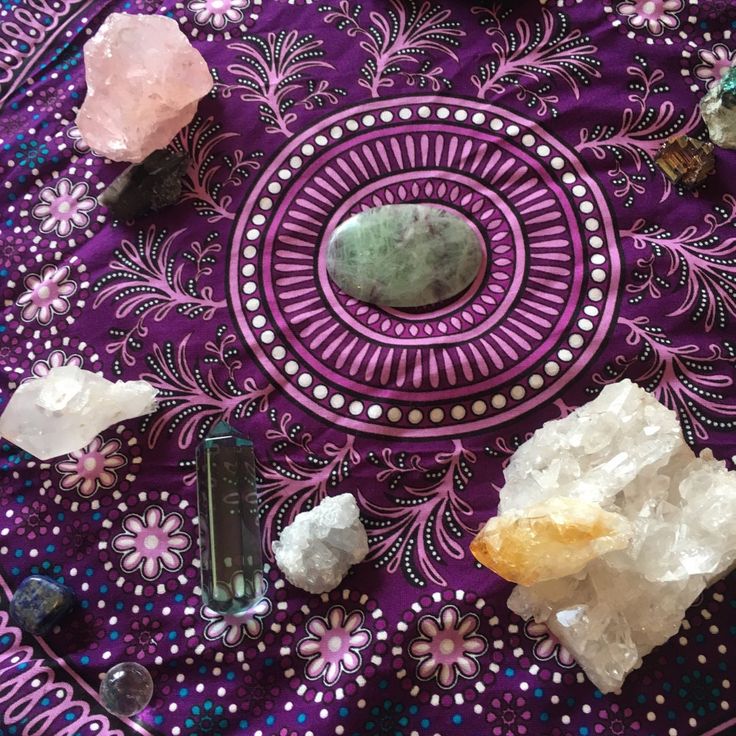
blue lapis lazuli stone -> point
(39, 603)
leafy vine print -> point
(299, 476)
(698, 259)
(207, 179)
(272, 73)
(683, 377)
(415, 531)
(398, 42)
(532, 56)
(643, 129)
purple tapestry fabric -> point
(536, 122)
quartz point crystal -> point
(126, 689)
(620, 462)
(718, 108)
(403, 255)
(39, 603)
(67, 408)
(686, 161)
(151, 185)
(230, 538)
(144, 80)
(318, 548)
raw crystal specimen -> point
(144, 80)
(623, 454)
(549, 540)
(403, 255)
(718, 109)
(318, 548)
(229, 532)
(151, 185)
(64, 410)
(39, 602)
(686, 161)
(126, 689)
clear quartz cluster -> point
(144, 80)
(318, 548)
(649, 525)
(64, 410)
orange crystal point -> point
(552, 539)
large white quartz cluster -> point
(318, 548)
(63, 411)
(655, 525)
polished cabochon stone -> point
(404, 255)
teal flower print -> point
(207, 720)
(31, 154)
(699, 693)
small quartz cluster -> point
(144, 80)
(64, 410)
(318, 548)
(613, 527)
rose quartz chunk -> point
(144, 80)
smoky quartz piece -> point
(149, 186)
(230, 539)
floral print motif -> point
(333, 644)
(615, 721)
(654, 15)
(448, 646)
(92, 468)
(47, 294)
(64, 207)
(218, 13)
(508, 716)
(78, 539)
(78, 142)
(714, 63)
(42, 368)
(207, 720)
(143, 638)
(33, 520)
(151, 543)
(231, 628)
(547, 645)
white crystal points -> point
(144, 80)
(624, 451)
(66, 409)
(318, 548)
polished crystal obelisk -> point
(229, 532)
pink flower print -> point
(92, 468)
(78, 142)
(447, 647)
(49, 100)
(616, 721)
(64, 207)
(57, 358)
(33, 520)
(143, 638)
(78, 539)
(334, 644)
(233, 628)
(218, 13)
(654, 15)
(508, 716)
(11, 250)
(151, 542)
(547, 645)
(714, 63)
(47, 294)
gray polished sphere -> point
(126, 689)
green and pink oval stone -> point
(404, 255)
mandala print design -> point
(64, 207)
(546, 645)
(334, 644)
(218, 19)
(92, 468)
(232, 629)
(522, 331)
(448, 647)
(652, 21)
(47, 294)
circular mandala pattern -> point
(332, 646)
(145, 543)
(217, 20)
(533, 319)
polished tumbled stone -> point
(39, 602)
(126, 689)
(404, 255)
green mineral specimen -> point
(230, 539)
(404, 255)
(728, 88)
